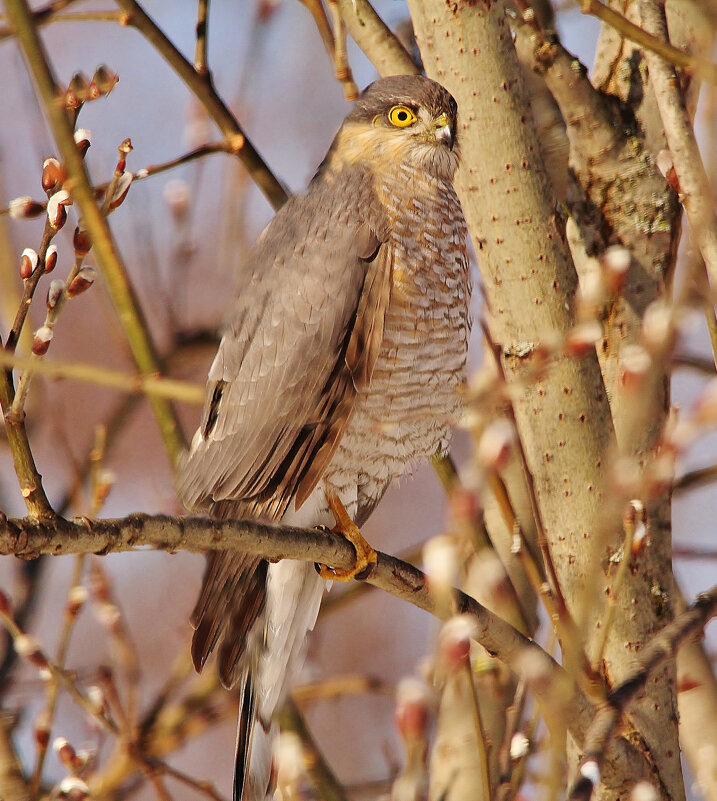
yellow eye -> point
(401, 116)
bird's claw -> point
(366, 557)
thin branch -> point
(28, 289)
(327, 786)
(447, 473)
(150, 385)
(72, 609)
(17, 410)
(690, 361)
(29, 478)
(37, 658)
(652, 43)
(100, 190)
(687, 552)
(342, 70)
(376, 39)
(95, 224)
(694, 184)
(40, 17)
(200, 52)
(202, 786)
(338, 686)
(569, 636)
(317, 11)
(13, 784)
(202, 88)
(696, 478)
(29, 580)
(28, 538)
(663, 646)
(481, 738)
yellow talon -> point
(366, 557)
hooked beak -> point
(443, 131)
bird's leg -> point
(366, 557)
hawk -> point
(339, 368)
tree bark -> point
(564, 419)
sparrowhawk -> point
(339, 368)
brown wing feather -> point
(232, 598)
(281, 385)
(276, 407)
(362, 350)
(232, 594)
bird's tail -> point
(258, 615)
(293, 598)
(253, 765)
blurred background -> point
(183, 234)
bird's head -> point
(398, 120)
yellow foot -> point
(365, 555)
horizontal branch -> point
(106, 377)
(28, 539)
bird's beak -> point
(443, 131)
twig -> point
(692, 361)
(180, 670)
(342, 69)
(376, 39)
(570, 638)
(447, 473)
(151, 385)
(12, 781)
(41, 16)
(629, 524)
(328, 787)
(128, 659)
(663, 646)
(514, 716)
(17, 410)
(29, 478)
(694, 185)
(28, 290)
(29, 538)
(85, 16)
(317, 11)
(185, 158)
(201, 87)
(481, 741)
(701, 554)
(337, 686)
(164, 728)
(200, 52)
(31, 574)
(71, 612)
(696, 478)
(100, 190)
(40, 661)
(119, 414)
(711, 321)
(95, 224)
(651, 43)
(202, 786)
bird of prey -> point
(339, 368)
